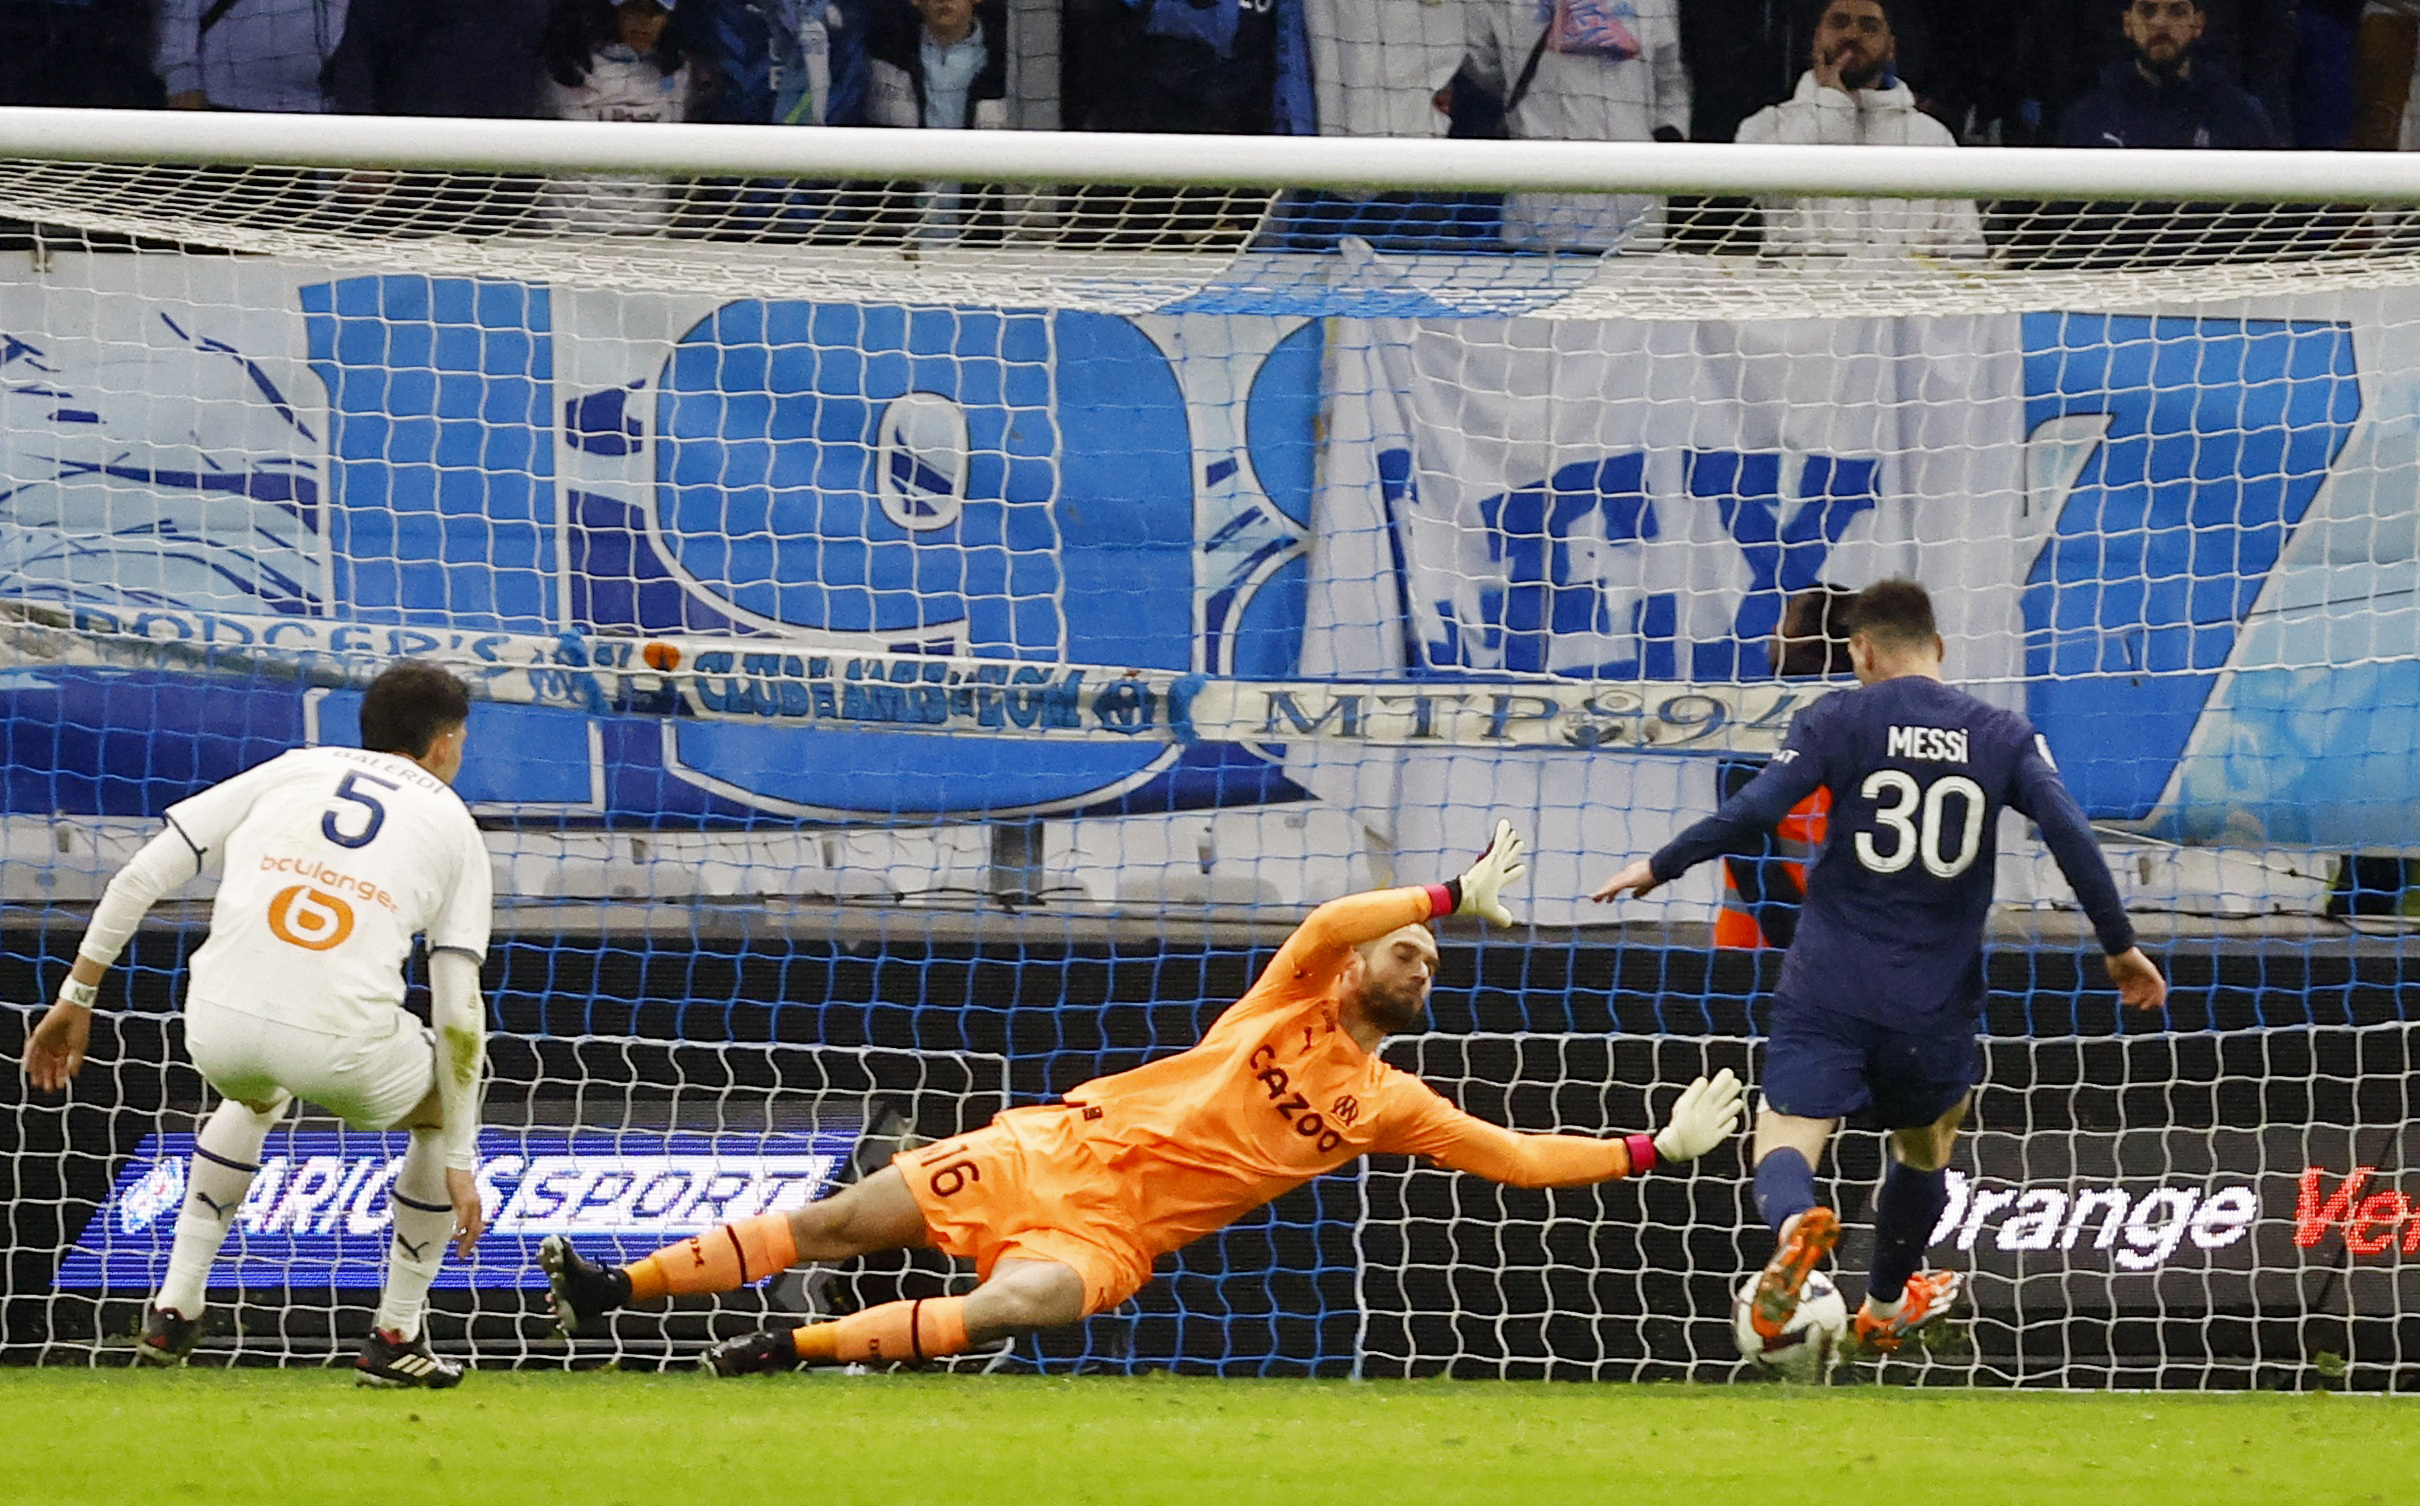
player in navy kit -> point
(1882, 990)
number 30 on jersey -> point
(1913, 822)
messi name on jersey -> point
(1945, 744)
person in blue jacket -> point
(2165, 93)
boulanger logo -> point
(310, 918)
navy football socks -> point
(1785, 1187)
(1905, 1211)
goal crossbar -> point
(1336, 162)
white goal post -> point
(1365, 162)
(1131, 223)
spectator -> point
(1216, 67)
(247, 54)
(2071, 43)
(479, 58)
(1378, 65)
(1581, 70)
(819, 67)
(941, 64)
(1959, 55)
(616, 60)
(1852, 96)
(771, 60)
(88, 54)
(2165, 93)
(440, 57)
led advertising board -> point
(318, 1213)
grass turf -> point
(116, 1437)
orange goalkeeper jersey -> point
(1277, 1093)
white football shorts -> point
(370, 1082)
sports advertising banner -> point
(2181, 520)
(318, 1214)
(2180, 1220)
(2125, 1206)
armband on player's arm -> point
(163, 863)
(460, 1018)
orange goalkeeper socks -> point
(925, 1329)
(722, 1259)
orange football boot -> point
(1808, 1239)
(1929, 1295)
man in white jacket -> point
(1853, 97)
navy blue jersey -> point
(1892, 928)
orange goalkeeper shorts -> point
(1027, 1186)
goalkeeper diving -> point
(1063, 1207)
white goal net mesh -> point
(954, 628)
(2200, 1210)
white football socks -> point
(225, 1155)
(424, 1221)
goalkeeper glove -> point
(1475, 893)
(1707, 1113)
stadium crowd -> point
(2128, 73)
(2255, 73)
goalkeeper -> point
(1063, 1207)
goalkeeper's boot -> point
(386, 1360)
(1805, 1241)
(168, 1336)
(1929, 1294)
(766, 1353)
(578, 1288)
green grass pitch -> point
(112, 1438)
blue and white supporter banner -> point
(2182, 544)
(1634, 502)
(736, 561)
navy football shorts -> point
(1823, 1064)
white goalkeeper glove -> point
(1707, 1113)
(1477, 891)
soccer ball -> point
(1810, 1346)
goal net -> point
(943, 605)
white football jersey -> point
(334, 859)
